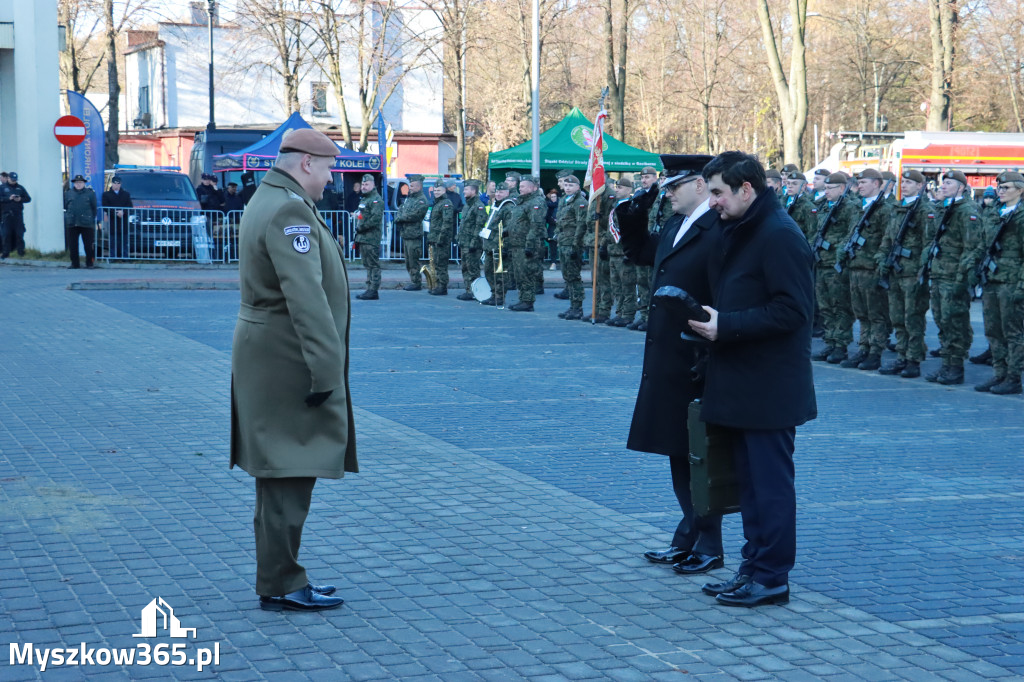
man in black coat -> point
(758, 382)
(682, 255)
(114, 202)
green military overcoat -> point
(291, 339)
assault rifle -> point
(819, 243)
(857, 240)
(933, 249)
(892, 260)
(988, 264)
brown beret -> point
(308, 141)
(869, 174)
(368, 178)
(572, 179)
(772, 173)
(649, 170)
(956, 175)
(1010, 176)
(837, 178)
(624, 182)
(888, 175)
(914, 175)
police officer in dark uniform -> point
(114, 201)
(13, 198)
(210, 198)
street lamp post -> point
(211, 6)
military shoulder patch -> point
(931, 215)
(297, 229)
(301, 244)
(974, 217)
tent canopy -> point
(567, 145)
(260, 155)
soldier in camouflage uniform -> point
(369, 224)
(571, 225)
(409, 222)
(529, 224)
(512, 179)
(499, 221)
(949, 251)
(474, 217)
(442, 227)
(773, 179)
(832, 288)
(818, 188)
(908, 298)
(601, 274)
(648, 176)
(868, 300)
(799, 206)
(622, 271)
(1003, 293)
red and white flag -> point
(595, 167)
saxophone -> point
(428, 270)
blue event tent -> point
(260, 156)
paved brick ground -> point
(495, 531)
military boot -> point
(563, 294)
(823, 354)
(988, 385)
(489, 301)
(438, 291)
(465, 296)
(1010, 386)
(642, 327)
(837, 356)
(853, 360)
(935, 352)
(574, 314)
(983, 358)
(894, 368)
(562, 314)
(412, 287)
(935, 375)
(954, 374)
(871, 363)
(522, 307)
(912, 370)
(368, 296)
(539, 291)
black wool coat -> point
(759, 369)
(667, 384)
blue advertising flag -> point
(88, 157)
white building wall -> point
(29, 108)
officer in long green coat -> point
(409, 222)
(474, 217)
(291, 412)
(442, 228)
(947, 262)
(1002, 295)
(369, 226)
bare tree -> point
(83, 57)
(279, 23)
(113, 86)
(328, 24)
(616, 52)
(791, 92)
(943, 15)
(454, 17)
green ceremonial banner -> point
(567, 145)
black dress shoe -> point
(733, 583)
(754, 594)
(301, 600)
(321, 589)
(698, 563)
(412, 287)
(666, 556)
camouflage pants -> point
(951, 309)
(908, 303)
(371, 261)
(603, 286)
(535, 267)
(495, 279)
(413, 253)
(623, 277)
(833, 291)
(470, 267)
(570, 259)
(441, 253)
(521, 270)
(871, 308)
(1004, 328)
(643, 288)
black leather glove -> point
(504, 234)
(625, 260)
(602, 252)
(317, 399)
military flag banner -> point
(595, 167)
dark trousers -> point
(281, 508)
(12, 234)
(88, 235)
(700, 534)
(764, 469)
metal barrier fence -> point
(168, 234)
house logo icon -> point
(167, 618)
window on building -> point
(319, 99)
(144, 99)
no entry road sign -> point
(69, 131)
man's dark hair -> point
(735, 169)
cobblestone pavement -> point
(495, 531)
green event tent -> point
(566, 145)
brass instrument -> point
(428, 270)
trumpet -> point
(428, 270)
